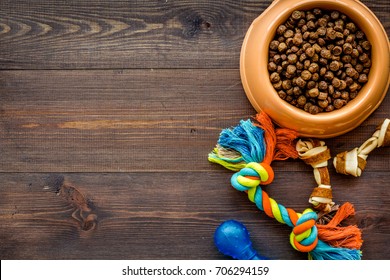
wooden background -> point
(111, 107)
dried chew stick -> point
(316, 153)
(354, 161)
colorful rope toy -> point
(249, 149)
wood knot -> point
(82, 206)
(83, 210)
(89, 222)
(193, 24)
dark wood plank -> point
(115, 117)
(130, 34)
(124, 34)
(115, 121)
(165, 215)
(134, 120)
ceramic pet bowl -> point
(262, 95)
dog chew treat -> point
(317, 154)
(354, 161)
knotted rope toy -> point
(249, 148)
(354, 161)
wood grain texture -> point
(84, 34)
(164, 216)
(143, 34)
(108, 110)
(132, 120)
(116, 121)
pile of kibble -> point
(319, 60)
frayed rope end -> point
(253, 141)
(342, 243)
(324, 251)
(339, 236)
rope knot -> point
(304, 235)
(252, 175)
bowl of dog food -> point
(320, 67)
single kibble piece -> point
(297, 91)
(336, 83)
(366, 45)
(281, 29)
(348, 81)
(300, 82)
(323, 85)
(359, 34)
(292, 58)
(272, 66)
(286, 84)
(359, 67)
(314, 92)
(282, 47)
(367, 64)
(329, 76)
(345, 95)
(306, 75)
(321, 31)
(296, 15)
(310, 52)
(323, 103)
(294, 49)
(278, 85)
(322, 96)
(314, 109)
(355, 53)
(343, 85)
(301, 100)
(334, 66)
(351, 72)
(364, 57)
(310, 85)
(274, 45)
(347, 48)
(325, 53)
(297, 39)
(353, 94)
(351, 27)
(353, 87)
(306, 64)
(288, 33)
(291, 69)
(313, 68)
(362, 78)
(346, 58)
(274, 77)
(334, 14)
(329, 108)
(337, 50)
(282, 94)
(338, 103)
(331, 33)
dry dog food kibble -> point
(319, 60)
